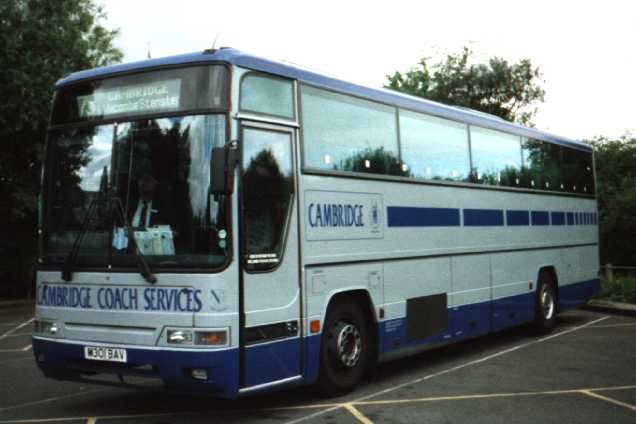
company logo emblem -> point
(375, 215)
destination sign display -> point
(139, 98)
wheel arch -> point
(359, 295)
(363, 298)
(552, 271)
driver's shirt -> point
(137, 222)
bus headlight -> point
(205, 337)
(45, 328)
(180, 337)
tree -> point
(40, 42)
(374, 161)
(496, 87)
(615, 161)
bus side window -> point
(434, 148)
(496, 157)
(578, 172)
(543, 168)
(267, 95)
(344, 133)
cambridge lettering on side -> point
(337, 215)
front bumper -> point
(64, 360)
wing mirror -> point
(223, 164)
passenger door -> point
(270, 282)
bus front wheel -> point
(546, 304)
(344, 350)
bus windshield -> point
(158, 170)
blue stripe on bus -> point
(400, 216)
(483, 217)
(407, 216)
(517, 217)
(223, 365)
(484, 317)
(540, 217)
(558, 218)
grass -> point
(618, 290)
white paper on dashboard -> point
(120, 239)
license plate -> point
(98, 353)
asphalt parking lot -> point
(583, 372)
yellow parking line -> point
(364, 420)
(349, 406)
(610, 400)
(623, 324)
(22, 349)
(169, 414)
(84, 419)
(490, 396)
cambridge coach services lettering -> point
(335, 215)
(120, 298)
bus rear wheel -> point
(344, 350)
(546, 304)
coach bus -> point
(226, 223)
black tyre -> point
(546, 303)
(345, 350)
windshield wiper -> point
(71, 258)
(115, 206)
(142, 264)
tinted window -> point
(542, 166)
(434, 148)
(496, 157)
(267, 194)
(344, 133)
(578, 171)
(268, 95)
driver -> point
(148, 211)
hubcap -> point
(348, 345)
(547, 303)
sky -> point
(585, 50)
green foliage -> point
(40, 42)
(496, 87)
(378, 160)
(618, 290)
(615, 161)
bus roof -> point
(239, 58)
